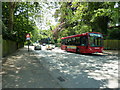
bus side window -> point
(73, 41)
(83, 41)
(77, 40)
(69, 41)
(66, 41)
(62, 41)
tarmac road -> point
(73, 70)
(59, 69)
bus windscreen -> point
(95, 40)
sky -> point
(47, 16)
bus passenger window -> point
(77, 41)
(70, 41)
(83, 41)
(73, 41)
(65, 41)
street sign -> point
(28, 36)
(28, 39)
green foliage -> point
(114, 34)
(81, 17)
(23, 21)
(78, 17)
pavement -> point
(22, 69)
(112, 52)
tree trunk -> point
(11, 16)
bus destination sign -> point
(95, 34)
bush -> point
(114, 34)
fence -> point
(112, 44)
(9, 47)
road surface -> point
(73, 70)
(60, 69)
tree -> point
(22, 14)
(80, 17)
(11, 6)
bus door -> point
(83, 44)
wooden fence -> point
(112, 44)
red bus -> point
(90, 42)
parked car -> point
(35, 43)
(44, 44)
(37, 46)
(52, 45)
(48, 47)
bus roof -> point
(78, 35)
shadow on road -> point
(90, 54)
(94, 54)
